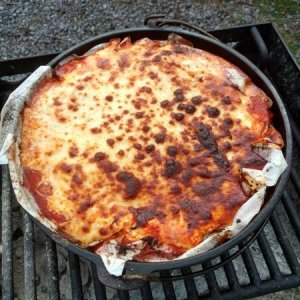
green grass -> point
(286, 15)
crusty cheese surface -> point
(143, 140)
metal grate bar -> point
(231, 274)
(52, 265)
(190, 284)
(123, 295)
(211, 282)
(266, 287)
(75, 275)
(29, 260)
(292, 213)
(168, 286)
(99, 287)
(284, 243)
(295, 180)
(268, 256)
(146, 291)
(7, 256)
(251, 267)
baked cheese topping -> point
(144, 141)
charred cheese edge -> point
(144, 141)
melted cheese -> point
(143, 140)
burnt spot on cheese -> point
(221, 161)
(103, 231)
(110, 142)
(137, 146)
(164, 103)
(56, 102)
(174, 210)
(197, 100)
(73, 151)
(144, 214)
(195, 212)
(179, 49)
(124, 62)
(80, 87)
(116, 85)
(212, 186)
(152, 75)
(194, 161)
(62, 119)
(160, 138)
(138, 103)
(73, 196)
(178, 93)
(175, 189)
(85, 205)
(73, 107)
(197, 147)
(166, 52)
(121, 153)
(156, 58)
(96, 130)
(104, 64)
(228, 122)
(172, 168)
(251, 160)
(100, 156)
(172, 150)
(146, 128)
(213, 112)
(190, 109)
(139, 114)
(148, 53)
(185, 151)
(207, 139)
(107, 166)
(178, 116)
(150, 148)
(85, 228)
(109, 98)
(181, 106)
(226, 100)
(87, 78)
(66, 168)
(77, 179)
(145, 89)
(187, 175)
(139, 156)
(227, 146)
(132, 184)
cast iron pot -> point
(138, 271)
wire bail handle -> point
(160, 20)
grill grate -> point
(270, 264)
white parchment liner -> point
(10, 126)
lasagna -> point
(144, 143)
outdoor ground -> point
(35, 27)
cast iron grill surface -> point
(271, 263)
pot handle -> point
(116, 282)
(161, 20)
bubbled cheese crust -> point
(143, 140)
